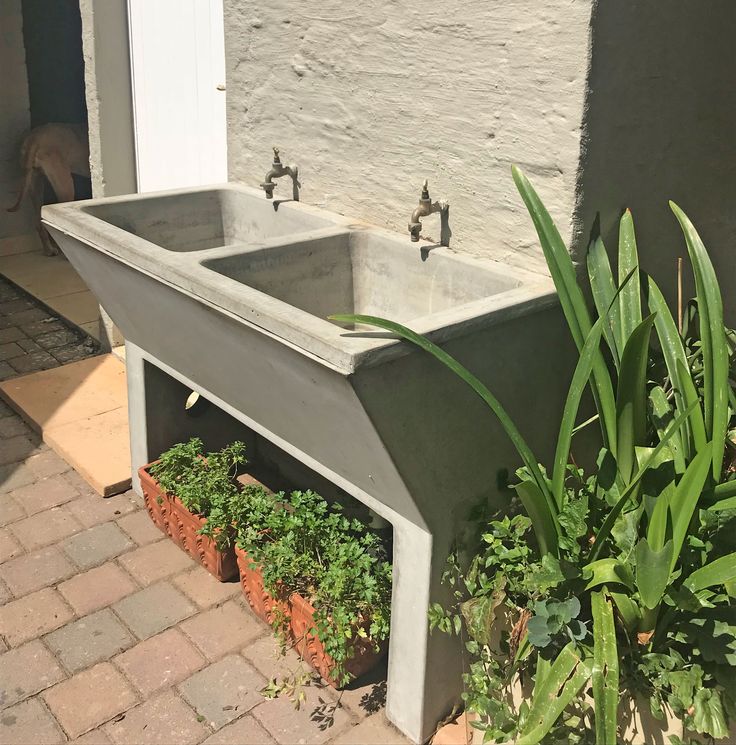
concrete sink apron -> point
(228, 294)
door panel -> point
(178, 70)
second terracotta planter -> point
(182, 526)
(298, 615)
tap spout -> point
(425, 208)
(278, 169)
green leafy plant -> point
(639, 553)
(204, 482)
(304, 545)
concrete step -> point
(81, 411)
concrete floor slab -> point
(80, 409)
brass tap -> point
(278, 169)
(427, 207)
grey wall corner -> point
(109, 96)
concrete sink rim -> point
(316, 337)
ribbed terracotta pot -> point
(300, 615)
(183, 527)
(156, 500)
(264, 605)
(309, 646)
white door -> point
(178, 75)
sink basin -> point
(291, 289)
(184, 221)
(363, 272)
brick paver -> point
(33, 615)
(224, 691)
(9, 546)
(97, 588)
(92, 510)
(143, 647)
(244, 731)
(16, 448)
(160, 662)
(29, 722)
(236, 627)
(162, 719)
(154, 609)
(27, 670)
(89, 699)
(156, 561)
(45, 528)
(30, 572)
(201, 587)
(43, 494)
(10, 510)
(91, 639)
(48, 464)
(96, 545)
(287, 724)
(375, 730)
(140, 528)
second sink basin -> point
(362, 272)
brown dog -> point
(57, 151)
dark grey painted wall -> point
(659, 124)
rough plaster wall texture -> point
(370, 98)
(14, 117)
(660, 124)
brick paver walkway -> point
(111, 634)
(32, 338)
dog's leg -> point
(60, 178)
(37, 189)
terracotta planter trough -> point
(300, 615)
(174, 519)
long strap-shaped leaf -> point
(685, 500)
(604, 290)
(568, 674)
(572, 404)
(713, 340)
(608, 523)
(605, 669)
(544, 523)
(467, 377)
(673, 351)
(718, 572)
(662, 414)
(628, 261)
(691, 401)
(572, 301)
(631, 398)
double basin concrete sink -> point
(228, 293)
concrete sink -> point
(223, 292)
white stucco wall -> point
(14, 117)
(370, 98)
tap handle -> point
(276, 158)
(425, 190)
